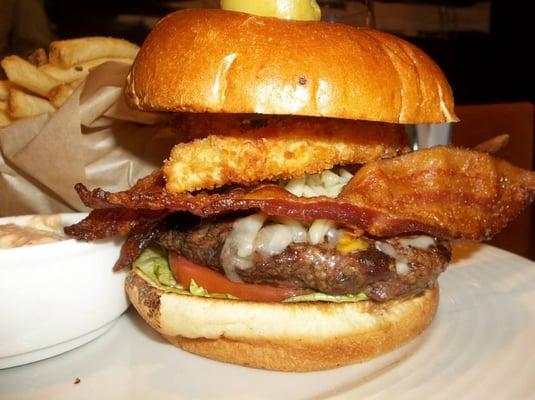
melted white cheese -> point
(318, 230)
(328, 183)
(252, 234)
(239, 245)
(419, 242)
(273, 239)
(401, 267)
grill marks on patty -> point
(318, 267)
(202, 244)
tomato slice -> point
(184, 271)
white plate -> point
(481, 345)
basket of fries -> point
(44, 82)
(63, 120)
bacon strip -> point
(106, 223)
(138, 239)
(446, 192)
(468, 194)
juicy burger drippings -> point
(323, 267)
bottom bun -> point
(281, 336)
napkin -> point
(94, 138)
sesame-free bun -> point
(230, 62)
(281, 336)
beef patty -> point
(320, 267)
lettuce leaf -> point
(154, 265)
(197, 290)
(318, 296)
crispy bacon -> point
(138, 239)
(446, 192)
(140, 227)
(467, 194)
(106, 223)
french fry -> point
(4, 118)
(4, 90)
(25, 105)
(28, 76)
(67, 53)
(38, 57)
(3, 105)
(97, 61)
(65, 75)
(78, 71)
(60, 94)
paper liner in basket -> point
(93, 138)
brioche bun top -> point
(228, 62)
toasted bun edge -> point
(281, 336)
(227, 62)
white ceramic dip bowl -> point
(56, 296)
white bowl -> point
(56, 296)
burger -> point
(291, 227)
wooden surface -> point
(481, 122)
